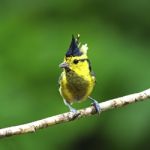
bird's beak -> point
(64, 65)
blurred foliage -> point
(34, 36)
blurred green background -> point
(34, 36)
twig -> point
(66, 117)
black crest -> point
(73, 49)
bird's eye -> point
(75, 61)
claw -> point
(73, 110)
(75, 113)
(96, 105)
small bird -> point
(77, 79)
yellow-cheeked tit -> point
(77, 79)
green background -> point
(34, 36)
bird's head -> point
(76, 58)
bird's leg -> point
(70, 107)
(95, 104)
(73, 110)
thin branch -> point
(66, 117)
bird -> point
(77, 79)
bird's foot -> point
(74, 112)
(96, 105)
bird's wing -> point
(59, 80)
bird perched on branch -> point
(77, 79)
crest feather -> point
(74, 48)
(84, 48)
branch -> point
(66, 117)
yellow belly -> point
(74, 88)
